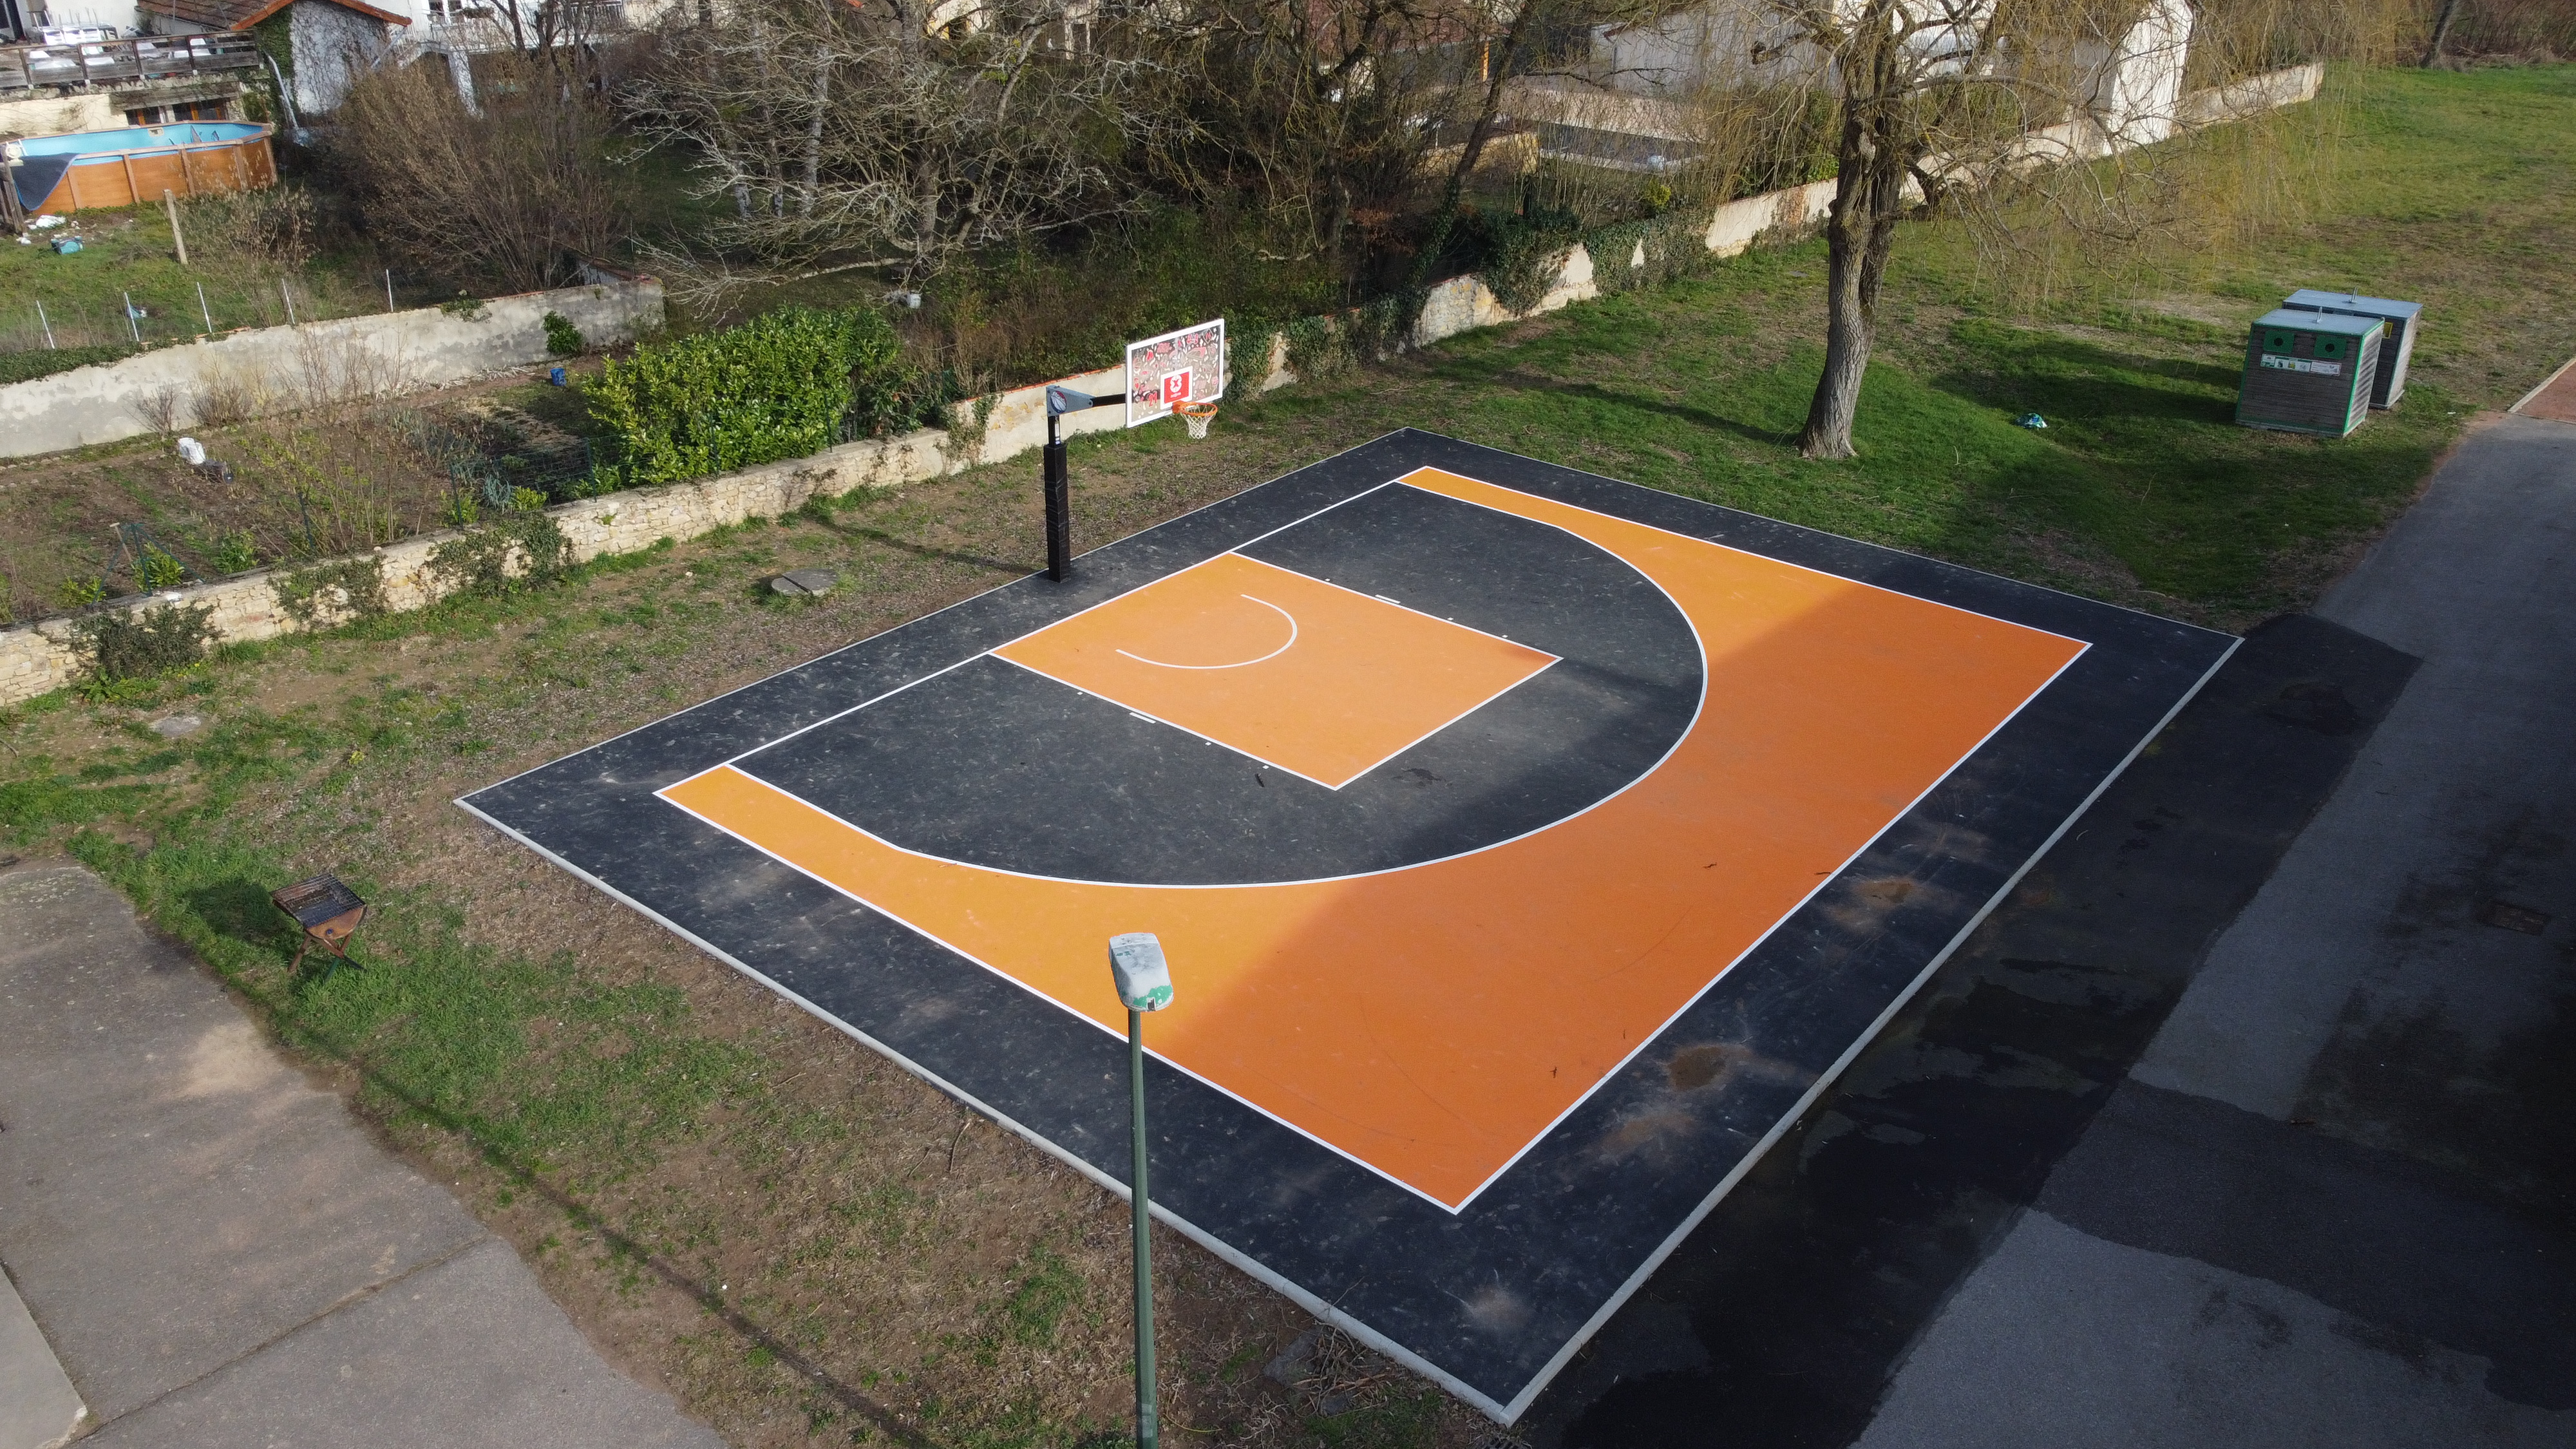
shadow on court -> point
(1781, 1319)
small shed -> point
(2309, 372)
(330, 43)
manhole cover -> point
(805, 581)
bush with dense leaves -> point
(775, 387)
(120, 645)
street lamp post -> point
(1058, 480)
(1144, 984)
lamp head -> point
(1144, 978)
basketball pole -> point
(1058, 482)
(1144, 982)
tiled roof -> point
(243, 14)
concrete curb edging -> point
(39, 1408)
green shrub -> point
(1522, 255)
(79, 592)
(1674, 244)
(1247, 352)
(1316, 348)
(512, 552)
(124, 644)
(158, 570)
(333, 593)
(562, 338)
(776, 387)
(1384, 327)
(236, 553)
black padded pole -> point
(1059, 508)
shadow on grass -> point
(2087, 382)
(917, 550)
(1524, 381)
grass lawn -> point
(807, 1246)
(128, 252)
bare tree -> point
(886, 135)
(1320, 111)
(2026, 115)
(517, 195)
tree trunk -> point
(822, 102)
(1869, 195)
(1498, 74)
(2441, 32)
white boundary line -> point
(1649, 1038)
(953, 949)
(1504, 1412)
(719, 698)
(1252, 1268)
(1521, 1401)
(2525, 400)
(1330, 1313)
(1645, 1039)
(1714, 543)
(1844, 538)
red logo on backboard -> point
(1176, 387)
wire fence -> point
(158, 312)
(492, 469)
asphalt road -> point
(2252, 1120)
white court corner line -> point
(953, 948)
(1260, 1272)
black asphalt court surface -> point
(1780, 1320)
(1600, 831)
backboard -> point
(1177, 367)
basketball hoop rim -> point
(1195, 409)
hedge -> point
(778, 386)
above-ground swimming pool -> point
(137, 163)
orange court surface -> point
(1831, 706)
(1530, 851)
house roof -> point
(243, 14)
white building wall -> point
(333, 47)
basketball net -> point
(1198, 415)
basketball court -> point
(1529, 849)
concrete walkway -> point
(2334, 1202)
(218, 1256)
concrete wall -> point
(60, 115)
(278, 368)
(2269, 91)
(332, 46)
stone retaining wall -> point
(35, 659)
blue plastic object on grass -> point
(66, 245)
(2031, 420)
(555, 375)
